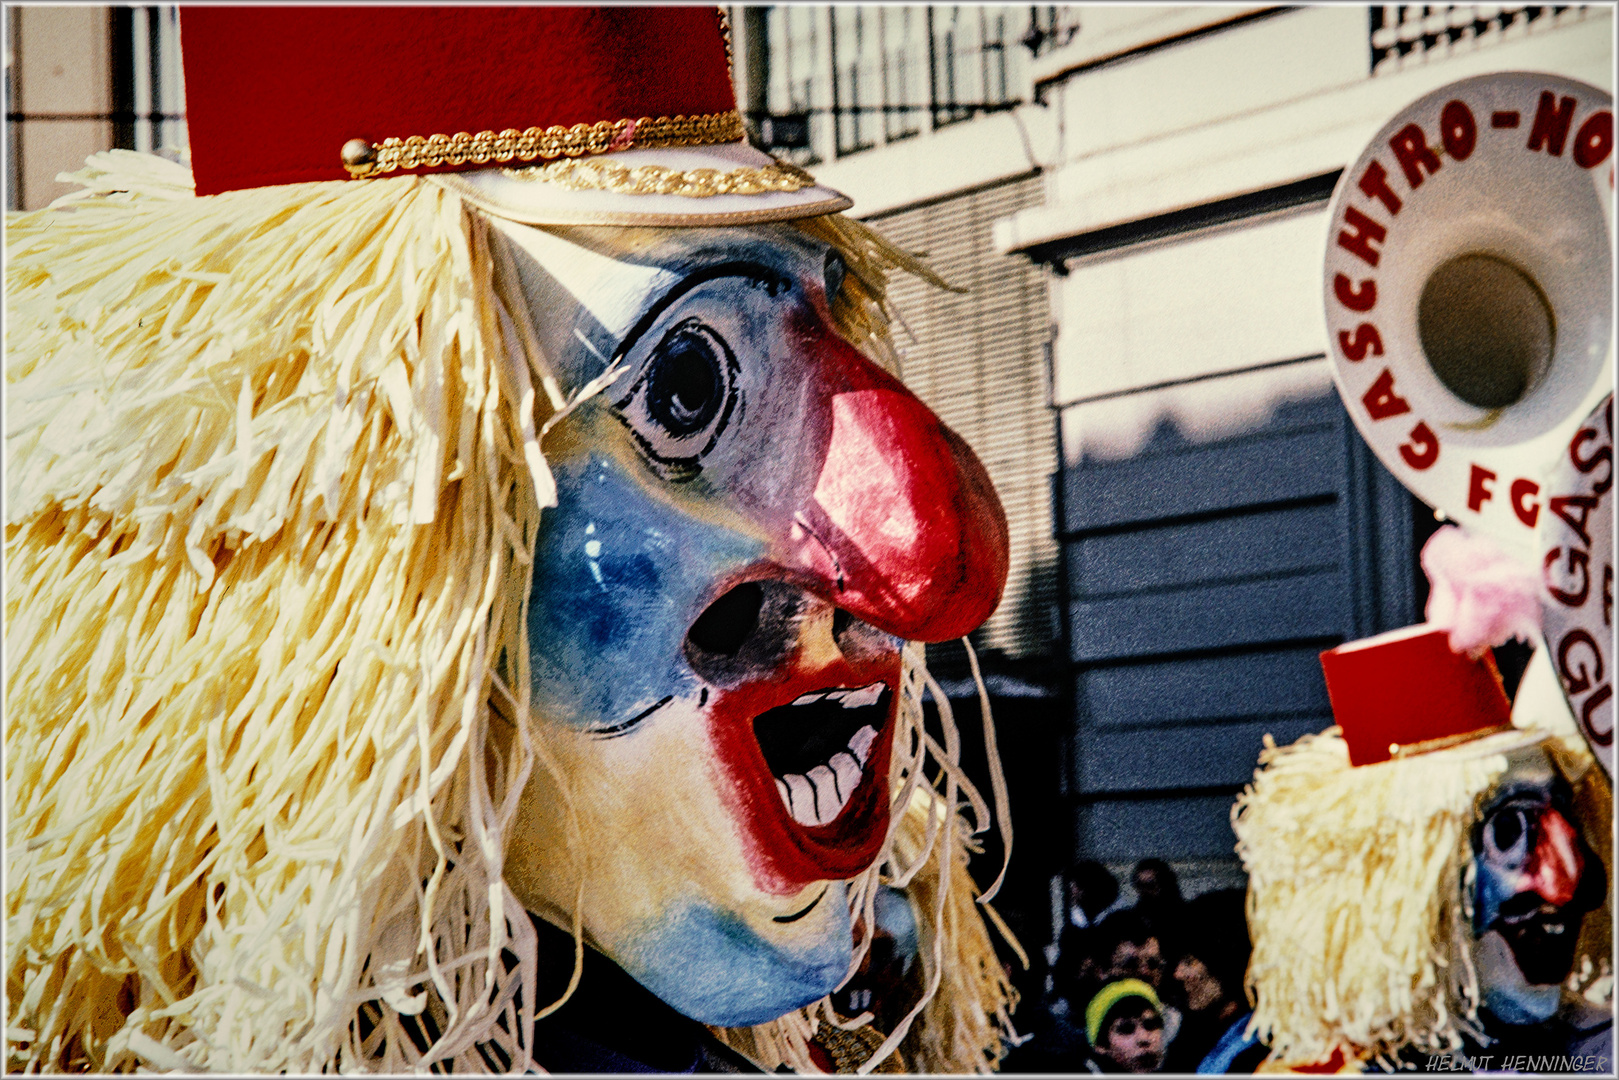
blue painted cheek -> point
(618, 578)
(710, 966)
(1493, 890)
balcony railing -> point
(1404, 35)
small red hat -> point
(283, 95)
(1405, 691)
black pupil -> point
(1508, 827)
(684, 384)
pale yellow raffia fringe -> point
(273, 478)
(268, 525)
(1355, 897)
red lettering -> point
(1458, 130)
(1423, 449)
(1607, 594)
(1363, 298)
(1579, 679)
(1583, 504)
(1592, 703)
(1365, 338)
(1374, 182)
(1527, 512)
(1577, 560)
(1380, 399)
(1594, 142)
(1505, 118)
(1478, 488)
(1551, 123)
(1366, 232)
(1585, 465)
(1411, 150)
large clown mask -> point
(1533, 879)
(751, 519)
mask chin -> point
(714, 967)
(1508, 996)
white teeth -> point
(858, 699)
(827, 803)
(860, 745)
(818, 797)
(847, 771)
(801, 799)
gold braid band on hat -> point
(658, 180)
(1427, 746)
(365, 160)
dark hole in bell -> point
(1486, 329)
(724, 626)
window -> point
(1404, 35)
(154, 82)
(904, 68)
(840, 80)
(793, 80)
(969, 62)
(82, 79)
(856, 89)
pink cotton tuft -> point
(1479, 593)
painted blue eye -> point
(1506, 837)
(681, 402)
(685, 382)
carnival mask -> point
(1534, 878)
(750, 519)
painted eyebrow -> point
(773, 280)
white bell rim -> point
(1551, 215)
(1576, 557)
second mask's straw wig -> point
(274, 476)
(1357, 900)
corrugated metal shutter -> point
(978, 360)
(1205, 578)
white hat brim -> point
(517, 195)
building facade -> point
(1220, 519)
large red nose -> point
(1556, 863)
(903, 528)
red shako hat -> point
(550, 115)
(1406, 692)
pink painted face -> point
(751, 520)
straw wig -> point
(1359, 896)
(275, 469)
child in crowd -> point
(1124, 1024)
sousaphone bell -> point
(1469, 305)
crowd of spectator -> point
(1156, 986)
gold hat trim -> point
(1444, 742)
(417, 152)
(659, 180)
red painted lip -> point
(783, 854)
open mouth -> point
(1542, 939)
(806, 743)
(817, 748)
